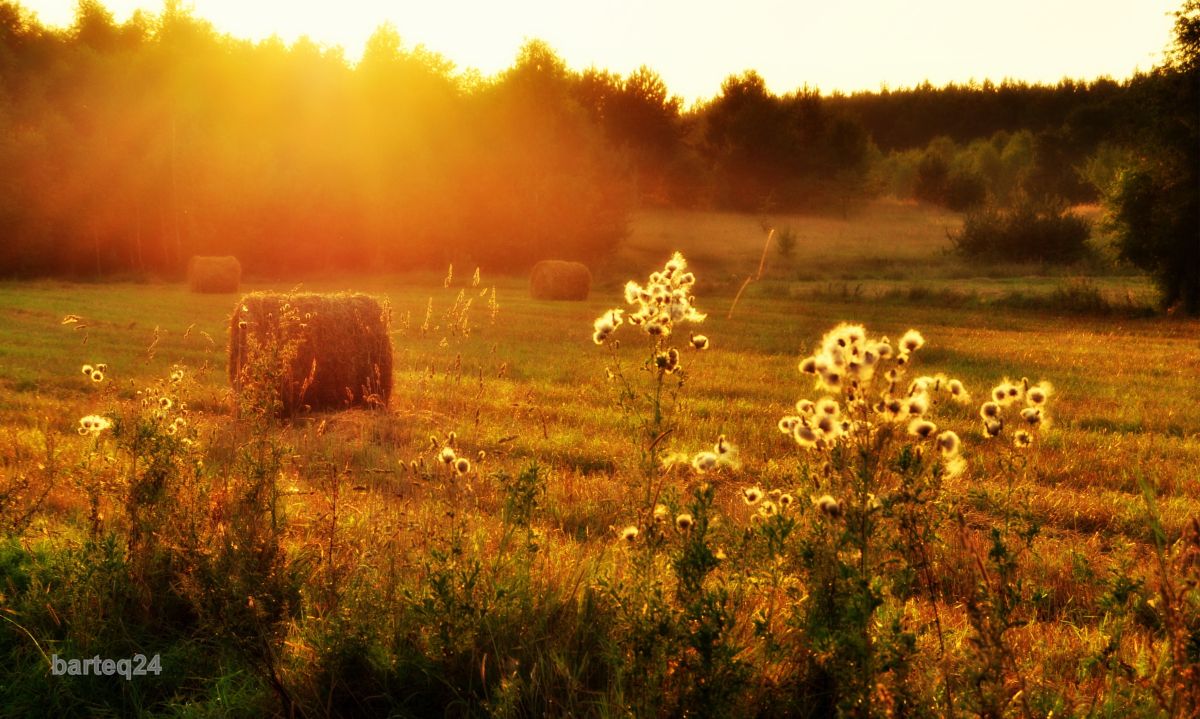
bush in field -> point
(953, 187)
(964, 190)
(786, 242)
(1027, 232)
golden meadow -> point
(562, 514)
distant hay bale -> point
(343, 351)
(559, 280)
(214, 274)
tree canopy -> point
(128, 147)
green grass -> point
(531, 385)
(883, 231)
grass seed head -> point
(1006, 393)
(921, 385)
(704, 461)
(949, 443)
(633, 293)
(958, 392)
(1033, 417)
(917, 405)
(989, 411)
(992, 427)
(722, 446)
(826, 406)
(831, 379)
(911, 341)
(828, 427)
(1037, 395)
(93, 424)
(805, 436)
(828, 506)
(893, 409)
(922, 428)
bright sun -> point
(695, 44)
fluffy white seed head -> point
(949, 443)
(922, 428)
(828, 506)
(911, 341)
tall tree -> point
(1156, 205)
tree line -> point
(128, 147)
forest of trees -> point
(128, 147)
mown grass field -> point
(415, 597)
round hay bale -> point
(214, 274)
(340, 343)
(560, 280)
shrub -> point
(1024, 233)
(958, 189)
(933, 172)
(786, 242)
(963, 191)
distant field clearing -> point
(881, 229)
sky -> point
(695, 44)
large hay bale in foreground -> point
(342, 349)
(214, 274)
(560, 280)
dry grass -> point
(218, 275)
(884, 232)
(532, 386)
